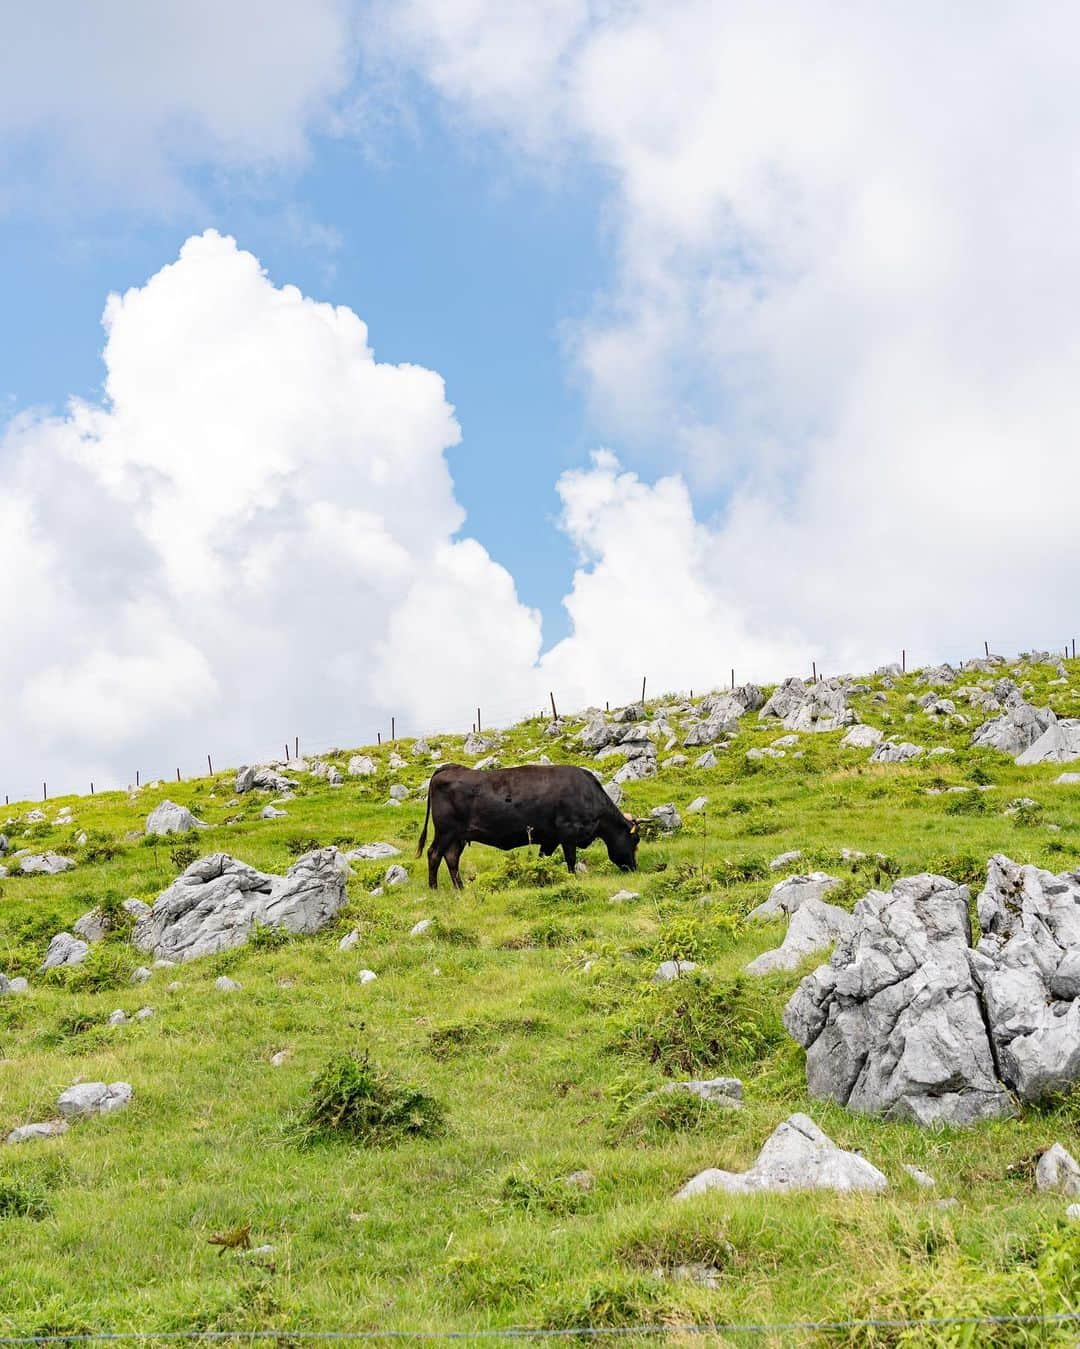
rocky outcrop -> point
(788, 895)
(814, 927)
(888, 751)
(893, 1024)
(64, 949)
(1059, 743)
(862, 737)
(217, 902)
(809, 707)
(721, 713)
(797, 1156)
(45, 863)
(1015, 730)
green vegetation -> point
(518, 1040)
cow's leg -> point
(453, 856)
(434, 857)
(569, 851)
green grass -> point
(516, 1041)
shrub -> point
(108, 965)
(695, 1022)
(297, 846)
(353, 1099)
(526, 870)
(659, 1114)
(967, 803)
(183, 855)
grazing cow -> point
(554, 805)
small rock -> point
(1073, 1213)
(64, 949)
(19, 985)
(169, 818)
(785, 859)
(721, 1090)
(418, 929)
(668, 817)
(349, 941)
(144, 1014)
(672, 969)
(396, 875)
(921, 1178)
(94, 1098)
(372, 852)
(367, 976)
(623, 896)
(697, 805)
(46, 863)
(282, 1056)
(224, 984)
(862, 737)
(706, 760)
(271, 813)
(27, 1133)
(140, 975)
(398, 792)
(117, 1018)
(580, 1180)
(362, 766)
(1057, 1170)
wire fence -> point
(486, 716)
(754, 1328)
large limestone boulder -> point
(1028, 962)
(1015, 730)
(893, 1024)
(721, 713)
(862, 737)
(797, 1156)
(1059, 743)
(169, 818)
(362, 766)
(217, 902)
(64, 949)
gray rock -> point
(92, 926)
(34, 817)
(624, 896)
(476, 745)
(815, 926)
(1059, 743)
(921, 1178)
(668, 817)
(893, 1024)
(797, 1156)
(144, 1014)
(224, 984)
(141, 975)
(697, 805)
(706, 760)
(272, 813)
(418, 929)
(888, 751)
(245, 779)
(18, 985)
(765, 753)
(118, 1018)
(1057, 1171)
(635, 770)
(45, 863)
(350, 940)
(809, 707)
(672, 969)
(64, 949)
(785, 859)
(217, 902)
(169, 818)
(29, 1133)
(398, 792)
(724, 1090)
(396, 875)
(373, 852)
(787, 896)
(367, 976)
(862, 737)
(94, 1098)
(362, 766)
(598, 733)
(615, 793)
(1016, 730)
(1067, 780)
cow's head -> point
(622, 846)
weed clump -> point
(355, 1100)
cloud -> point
(114, 104)
(844, 304)
(255, 536)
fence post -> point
(643, 690)
(478, 728)
(814, 664)
(44, 791)
(379, 735)
(733, 679)
(554, 711)
(210, 765)
(178, 775)
(903, 662)
(296, 746)
(986, 648)
(393, 729)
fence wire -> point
(564, 1333)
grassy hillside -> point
(527, 1013)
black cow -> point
(553, 805)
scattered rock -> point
(396, 875)
(28, 1133)
(889, 751)
(672, 969)
(1067, 780)
(814, 707)
(697, 805)
(815, 926)
(921, 1178)
(788, 895)
(281, 1057)
(615, 793)
(372, 852)
(224, 984)
(785, 859)
(721, 1090)
(862, 737)
(362, 766)
(624, 896)
(144, 1014)
(45, 863)
(418, 929)
(797, 1156)
(272, 813)
(117, 1018)
(169, 818)
(668, 818)
(580, 1180)
(350, 940)
(367, 976)
(1058, 1171)
(1059, 743)
(706, 760)
(64, 949)
(217, 902)
(1016, 730)
(245, 780)
(94, 1098)
(140, 975)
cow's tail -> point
(427, 816)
